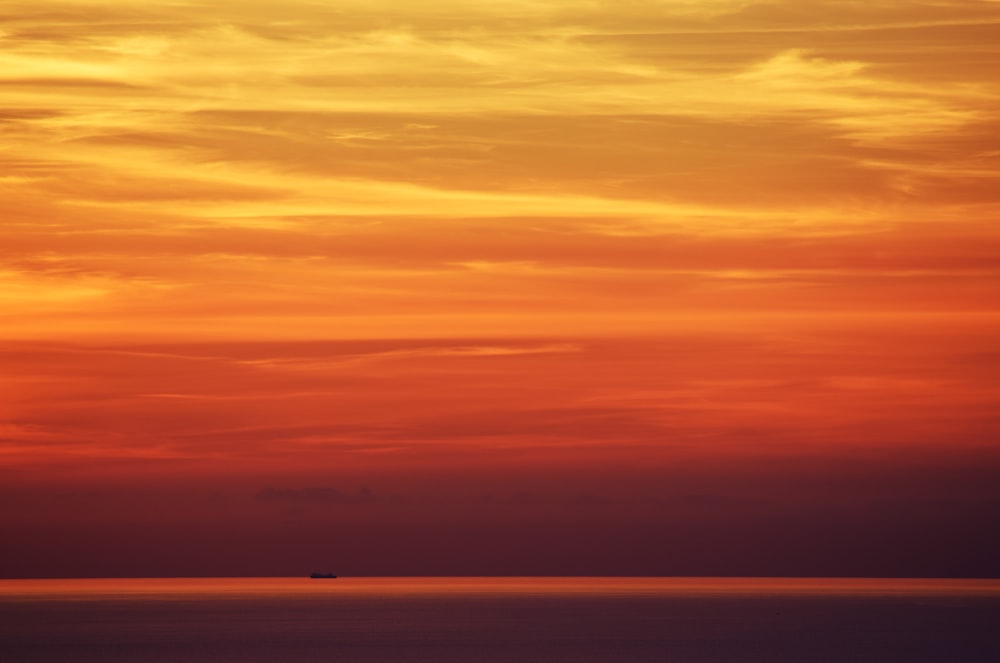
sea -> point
(493, 620)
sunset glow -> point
(679, 276)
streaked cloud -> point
(743, 244)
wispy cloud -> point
(261, 234)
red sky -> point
(523, 287)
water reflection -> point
(167, 588)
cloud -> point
(315, 495)
(249, 132)
(304, 244)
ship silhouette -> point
(322, 575)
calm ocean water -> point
(522, 620)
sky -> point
(520, 287)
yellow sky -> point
(499, 173)
(719, 266)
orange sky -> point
(711, 269)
